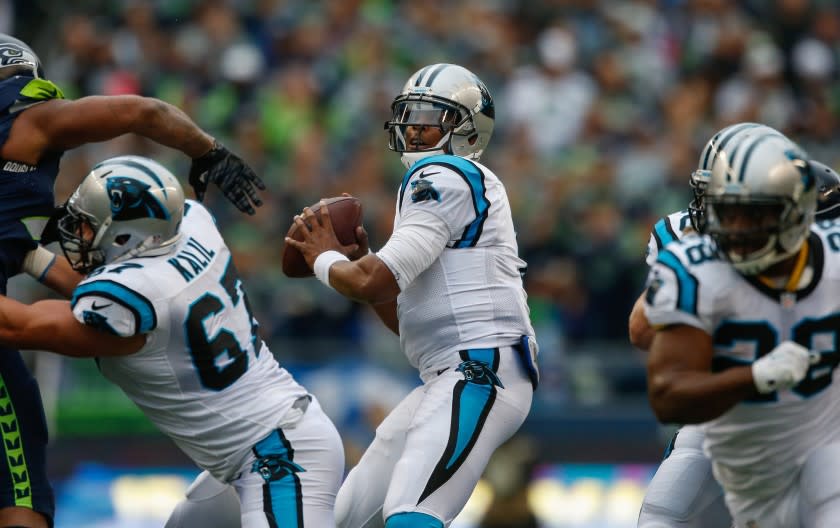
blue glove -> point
(229, 173)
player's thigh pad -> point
(684, 493)
(293, 475)
(819, 485)
(454, 431)
(208, 503)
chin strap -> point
(796, 275)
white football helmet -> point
(125, 206)
(18, 58)
(760, 201)
(449, 97)
(724, 142)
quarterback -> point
(448, 282)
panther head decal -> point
(423, 190)
(130, 199)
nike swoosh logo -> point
(424, 174)
(101, 306)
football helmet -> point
(828, 189)
(759, 202)
(125, 206)
(16, 58)
(724, 141)
(451, 98)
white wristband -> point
(38, 262)
(324, 261)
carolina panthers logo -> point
(131, 199)
(274, 467)
(487, 107)
(97, 320)
(423, 190)
(808, 179)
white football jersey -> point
(758, 445)
(204, 376)
(666, 230)
(471, 296)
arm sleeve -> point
(652, 251)
(104, 314)
(419, 241)
(113, 307)
(671, 296)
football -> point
(346, 215)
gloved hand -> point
(233, 176)
(783, 368)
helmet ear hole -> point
(121, 240)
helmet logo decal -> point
(11, 54)
(131, 199)
(487, 107)
(808, 179)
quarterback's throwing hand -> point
(783, 368)
(233, 176)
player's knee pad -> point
(689, 437)
(818, 484)
(683, 493)
(209, 503)
(412, 520)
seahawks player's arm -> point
(51, 325)
(681, 385)
(54, 271)
(62, 278)
(62, 124)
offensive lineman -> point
(37, 125)
(165, 313)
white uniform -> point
(204, 376)
(666, 230)
(761, 448)
(464, 324)
(683, 493)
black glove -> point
(233, 176)
(50, 233)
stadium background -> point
(602, 109)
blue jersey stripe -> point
(662, 233)
(686, 282)
(144, 312)
(474, 178)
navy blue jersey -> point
(26, 191)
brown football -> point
(345, 214)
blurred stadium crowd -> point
(602, 109)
